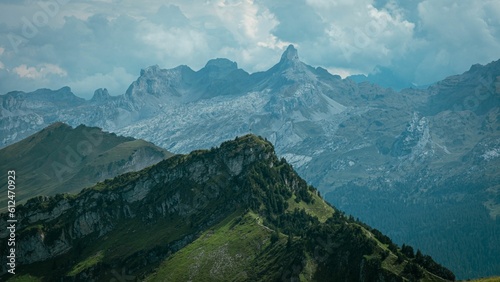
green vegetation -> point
(317, 207)
(455, 218)
(89, 262)
(231, 213)
(489, 279)
(225, 252)
(24, 278)
(444, 201)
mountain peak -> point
(249, 141)
(222, 63)
(252, 146)
(151, 69)
(219, 67)
(58, 125)
(100, 95)
(290, 55)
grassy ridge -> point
(489, 279)
(61, 159)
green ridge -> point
(62, 159)
(232, 213)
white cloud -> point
(343, 72)
(423, 41)
(246, 20)
(457, 35)
(180, 43)
(39, 72)
(251, 24)
(361, 36)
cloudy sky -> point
(89, 44)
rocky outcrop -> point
(414, 139)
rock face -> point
(348, 139)
(290, 55)
(231, 159)
(414, 139)
(101, 95)
(125, 199)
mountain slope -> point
(233, 212)
(62, 159)
(441, 169)
(425, 151)
(22, 114)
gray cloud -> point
(298, 22)
(92, 44)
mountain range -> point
(421, 165)
(236, 212)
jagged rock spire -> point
(101, 94)
(290, 55)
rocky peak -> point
(237, 155)
(292, 67)
(290, 55)
(156, 82)
(44, 92)
(218, 68)
(221, 64)
(151, 70)
(101, 95)
(65, 89)
(57, 125)
(247, 143)
(414, 139)
(61, 97)
(289, 70)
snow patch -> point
(491, 154)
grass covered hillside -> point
(62, 159)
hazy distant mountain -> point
(62, 159)
(236, 212)
(407, 162)
(384, 77)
